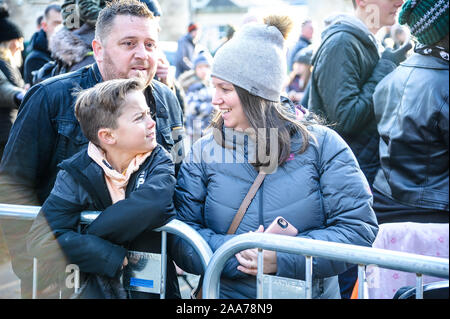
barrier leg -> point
(163, 264)
(259, 276)
(308, 276)
(419, 286)
(35, 277)
(362, 282)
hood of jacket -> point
(352, 25)
(39, 42)
(70, 47)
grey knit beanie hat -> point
(255, 59)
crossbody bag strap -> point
(245, 203)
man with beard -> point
(46, 131)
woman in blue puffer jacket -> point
(312, 177)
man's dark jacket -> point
(99, 249)
(38, 56)
(347, 68)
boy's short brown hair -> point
(100, 106)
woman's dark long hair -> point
(265, 114)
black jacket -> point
(347, 67)
(100, 248)
(38, 56)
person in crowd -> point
(46, 131)
(306, 35)
(163, 74)
(40, 54)
(75, 13)
(411, 188)
(347, 67)
(70, 51)
(399, 35)
(39, 22)
(199, 108)
(311, 176)
(396, 36)
(229, 32)
(299, 77)
(186, 49)
(123, 152)
(13, 86)
(411, 110)
(342, 86)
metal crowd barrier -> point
(176, 227)
(362, 256)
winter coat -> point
(411, 109)
(71, 50)
(11, 77)
(199, 109)
(100, 248)
(186, 48)
(347, 67)
(301, 44)
(321, 192)
(38, 56)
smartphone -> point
(282, 227)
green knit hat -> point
(427, 19)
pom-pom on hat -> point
(255, 59)
(8, 29)
(427, 19)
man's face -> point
(51, 22)
(129, 50)
(386, 10)
(308, 31)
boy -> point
(125, 174)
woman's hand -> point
(248, 259)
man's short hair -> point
(54, 7)
(306, 22)
(100, 106)
(114, 8)
(354, 4)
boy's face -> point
(203, 71)
(135, 133)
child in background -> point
(300, 74)
(122, 173)
(199, 107)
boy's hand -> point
(125, 262)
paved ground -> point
(10, 285)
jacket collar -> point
(96, 73)
(426, 62)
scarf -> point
(438, 52)
(115, 181)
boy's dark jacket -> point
(100, 248)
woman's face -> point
(16, 45)
(229, 104)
